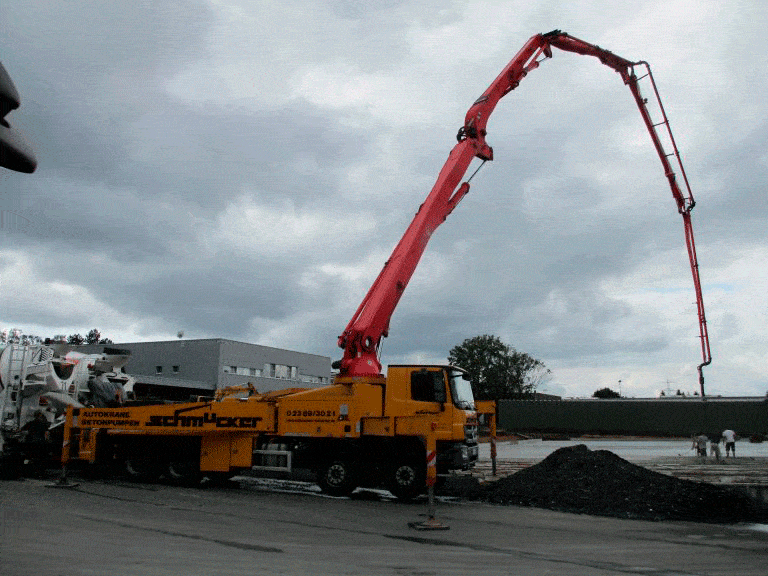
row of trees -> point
(498, 371)
(16, 336)
(606, 393)
(609, 393)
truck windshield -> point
(461, 390)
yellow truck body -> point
(356, 432)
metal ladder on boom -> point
(685, 201)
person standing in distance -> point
(729, 438)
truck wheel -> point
(141, 469)
(406, 480)
(338, 478)
(98, 471)
(11, 468)
(184, 473)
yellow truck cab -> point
(444, 392)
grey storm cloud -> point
(243, 170)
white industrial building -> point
(176, 369)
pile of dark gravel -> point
(576, 479)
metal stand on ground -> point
(493, 445)
(63, 481)
(430, 523)
(488, 408)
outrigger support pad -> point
(63, 481)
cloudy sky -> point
(242, 169)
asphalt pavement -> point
(118, 528)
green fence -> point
(658, 417)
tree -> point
(16, 336)
(496, 370)
(606, 393)
(75, 339)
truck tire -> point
(141, 469)
(184, 473)
(98, 470)
(407, 479)
(11, 466)
(338, 477)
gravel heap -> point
(576, 479)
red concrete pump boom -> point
(361, 339)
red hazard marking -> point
(431, 458)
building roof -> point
(183, 340)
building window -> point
(158, 369)
(175, 369)
(243, 371)
(281, 371)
